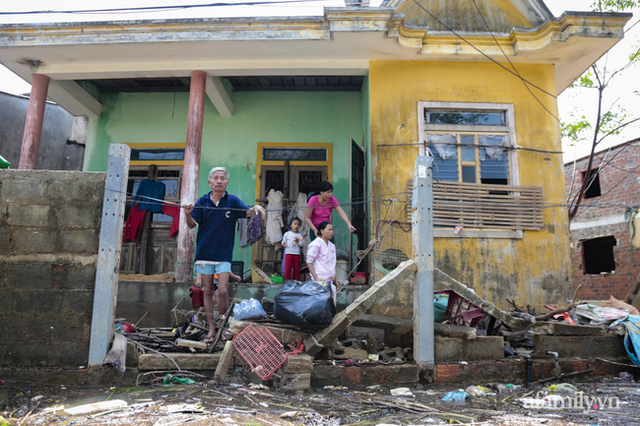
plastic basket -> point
(262, 351)
(460, 311)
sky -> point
(620, 93)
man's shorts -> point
(210, 269)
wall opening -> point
(598, 255)
(593, 190)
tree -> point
(608, 121)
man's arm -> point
(188, 209)
(253, 209)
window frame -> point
(507, 128)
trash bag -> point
(308, 305)
(248, 309)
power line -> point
(513, 66)
(481, 52)
(161, 8)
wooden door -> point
(290, 180)
(159, 248)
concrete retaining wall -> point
(49, 235)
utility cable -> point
(513, 66)
(481, 52)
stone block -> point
(389, 374)
(80, 241)
(34, 240)
(84, 187)
(295, 381)
(32, 216)
(79, 216)
(298, 364)
(29, 275)
(450, 330)
(579, 346)
(455, 349)
(6, 239)
(16, 189)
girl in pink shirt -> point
(320, 206)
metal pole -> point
(108, 263)
(422, 225)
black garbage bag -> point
(308, 305)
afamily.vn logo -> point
(582, 402)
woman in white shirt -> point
(321, 254)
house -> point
(63, 135)
(352, 96)
(602, 255)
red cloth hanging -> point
(134, 224)
(175, 213)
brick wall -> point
(604, 216)
(49, 235)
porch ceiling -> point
(239, 84)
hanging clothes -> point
(150, 189)
(134, 224)
(255, 229)
(274, 217)
(174, 212)
(297, 210)
(243, 231)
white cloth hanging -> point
(298, 211)
(274, 217)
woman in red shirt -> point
(320, 206)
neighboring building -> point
(353, 96)
(601, 253)
(63, 135)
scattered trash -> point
(373, 388)
(335, 388)
(626, 377)
(563, 388)
(403, 392)
(171, 379)
(499, 387)
(85, 409)
(456, 397)
(374, 357)
(248, 309)
(306, 304)
(476, 391)
(291, 414)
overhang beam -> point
(73, 98)
(219, 97)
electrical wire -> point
(481, 52)
(513, 66)
(161, 8)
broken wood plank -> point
(191, 343)
(151, 362)
(402, 275)
(491, 309)
(226, 361)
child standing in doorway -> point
(292, 241)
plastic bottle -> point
(456, 397)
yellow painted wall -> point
(533, 270)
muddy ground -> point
(603, 402)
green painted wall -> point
(323, 117)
